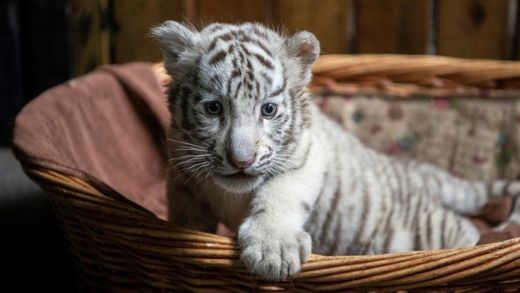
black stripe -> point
(261, 165)
(217, 58)
(230, 52)
(332, 211)
(306, 207)
(228, 88)
(249, 66)
(280, 121)
(379, 228)
(239, 86)
(415, 224)
(261, 34)
(265, 156)
(246, 51)
(407, 197)
(224, 37)
(289, 136)
(257, 212)
(260, 45)
(278, 91)
(408, 182)
(338, 233)
(264, 61)
(324, 183)
(213, 45)
(442, 230)
(241, 56)
(388, 237)
(387, 229)
(196, 75)
(399, 178)
(231, 107)
(236, 73)
(257, 88)
(356, 240)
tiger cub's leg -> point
(460, 195)
(443, 228)
(456, 194)
(505, 188)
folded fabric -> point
(108, 126)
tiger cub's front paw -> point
(272, 254)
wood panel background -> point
(464, 28)
(474, 28)
(329, 20)
(398, 26)
(132, 21)
(90, 34)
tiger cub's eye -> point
(213, 108)
(269, 110)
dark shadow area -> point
(36, 53)
(35, 256)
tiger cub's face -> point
(237, 100)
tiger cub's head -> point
(237, 100)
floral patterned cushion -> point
(475, 138)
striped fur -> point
(310, 181)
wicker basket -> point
(120, 246)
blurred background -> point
(44, 43)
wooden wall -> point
(462, 28)
(48, 42)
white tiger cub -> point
(251, 150)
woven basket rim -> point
(416, 76)
(414, 269)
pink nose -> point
(240, 164)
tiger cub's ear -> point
(303, 46)
(174, 38)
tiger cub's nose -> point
(240, 163)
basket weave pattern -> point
(417, 76)
(122, 247)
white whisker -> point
(187, 149)
(188, 156)
(187, 143)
